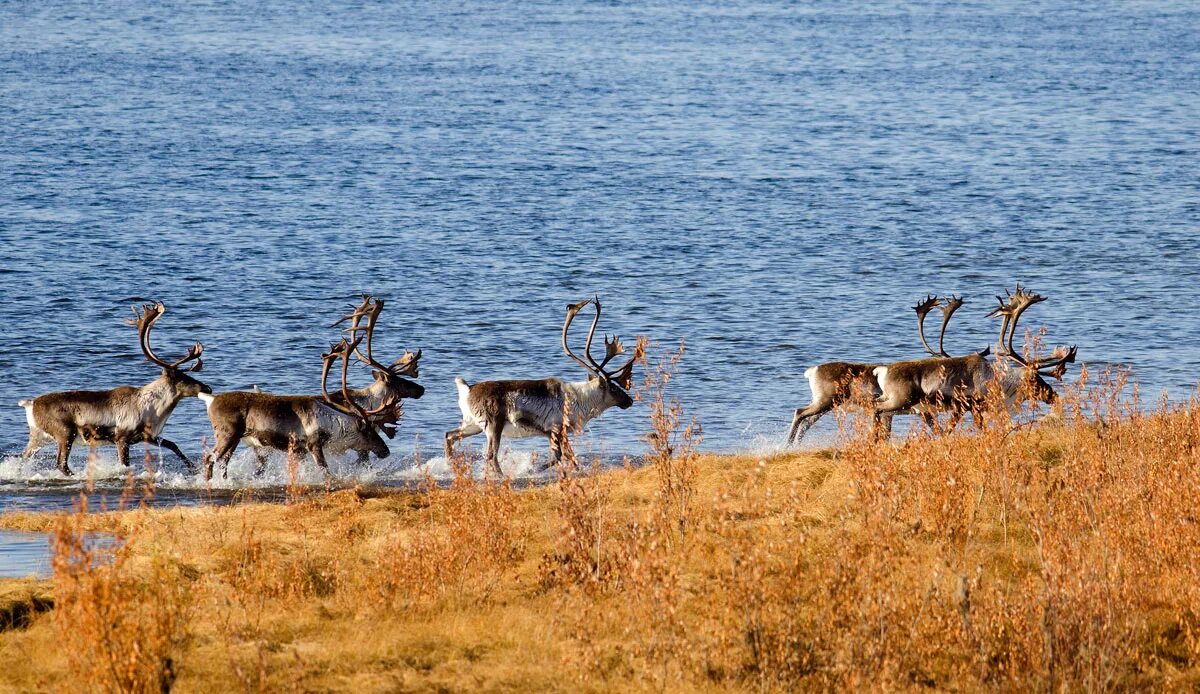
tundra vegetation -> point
(1054, 554)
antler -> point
(1018, 302)
(952, 304)
(612, 347)
(388, 412)
(572, 311)
(923, 309)
(144, 322)
(1056, 365)
(406, 365)
(1002, 310)
(370, 308)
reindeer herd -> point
(358, 419)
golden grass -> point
(1053, 557)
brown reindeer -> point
(837, 383)
(124, 415)
(320, 424)
(536, 408)
(960, 384)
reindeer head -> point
(616, 383)
(182, 385)
(1033, 371)
(393, 376)
(370, 423)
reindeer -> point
(334, 423)
(836, 383)
(537, 408)
(960, 384)
(124, 415)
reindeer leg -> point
(226, 445)
(260, 455)
(956, 416)
(318, 455)
(65, 441)
(122, 450)
(35, 444)
(806, 417)
(170, 446)
(494, 430)
(888, 408)
(556, 449)
(456, 435)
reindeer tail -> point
(881, 373)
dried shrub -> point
(457, 551)
(122, 623)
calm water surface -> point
(24, 554)
(773, 183)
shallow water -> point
(773, 183)
(24, 554)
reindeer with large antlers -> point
(537, 408)
(959, 384)
(349, 419)
(834, 384)
(123, 415)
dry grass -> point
(1057, 556)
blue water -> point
(773, 183)
(24, 554)
(29, 554)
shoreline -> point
(977, 553)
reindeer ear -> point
(624, 377)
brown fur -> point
(67, 415)
(275, 421)
(838, 382)
(957, 384)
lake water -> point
(24, 554)
(773, 183)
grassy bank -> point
(1059, 556)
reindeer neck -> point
(372, 396)
(587, 400)
(158, 397)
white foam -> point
(767, 437)
(103, 469)
(514, 464)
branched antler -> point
(612, 348)
(144, 321)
